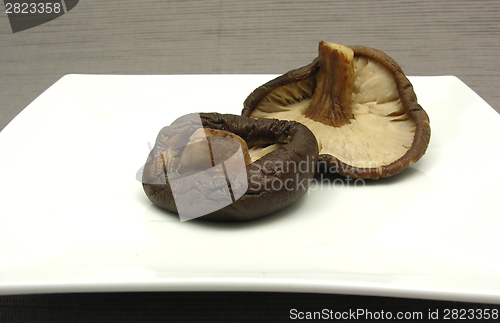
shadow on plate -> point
(156, 214)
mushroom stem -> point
(331, 102)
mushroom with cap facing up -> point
(359, 105)
(224, 167)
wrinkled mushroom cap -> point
(273, 178)
(375, 130)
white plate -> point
(74, 217)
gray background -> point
(442, 37)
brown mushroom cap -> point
(274, 179)
(358, 103)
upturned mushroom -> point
(229, 168)
(358, 103)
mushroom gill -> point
(359, 105)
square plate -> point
(74, 217)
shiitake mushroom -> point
(358, 103)
(223, 167)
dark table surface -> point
(460, 38)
